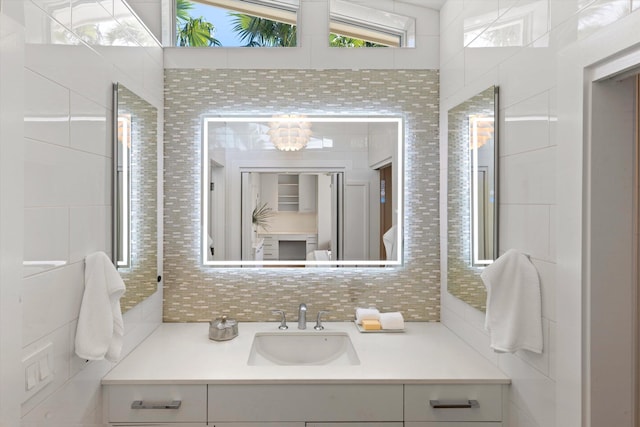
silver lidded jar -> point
(223, 329)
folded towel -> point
(392, 320)
(514, 309)
(100, 327)
(366, 314)
(389, 240)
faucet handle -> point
(319, 326)
(283, 319)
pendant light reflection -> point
(289, 132)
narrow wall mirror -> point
(134, 245)
(472, 194)
(302, 191)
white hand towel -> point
(392, 320)
(100, 327)
(366, 314)
(514, 308)
(389, 240)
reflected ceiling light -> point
(289, 132)
(480, 130)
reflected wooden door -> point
(386, 204)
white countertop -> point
(182, 353)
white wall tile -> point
(151, 14)
(56, 175)
(76, 177)
(599, 14)
(90, 231)
(481, 60)
(531, 391)
(452, 74)
(547, 275)
(528, 73)
(526, 125)
(450, 11)
(480, 341)
(90, 129)
(526, 228)
(60, 11)
(46, 234)
(407, 58)
(11, 212)
(478, 15)
(59, 339)
(63, 285)
(553, 350)
(76, 403)
(528, 177)
(553, 228)
(46, 115)
(539, 361)
(452, 38)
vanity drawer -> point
(305, 402)
(157, 403)
(484, 401)
(452, 424)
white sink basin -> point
(302, 348)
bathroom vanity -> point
(422, 377)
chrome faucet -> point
(302, 316)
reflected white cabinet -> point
(289, 192)
(308, 193)
(269, 190)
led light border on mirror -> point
(397, 186)
(121, 245)
(483, 135)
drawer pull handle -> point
(454, 404)
(139, 404)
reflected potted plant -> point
(261, 215)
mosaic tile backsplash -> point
(196, 293)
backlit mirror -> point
(295, 191)
(472, 204)
(134, 246)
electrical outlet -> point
(38, 370)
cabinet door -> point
(258, 424)
(452, 424)
(305, 402)
(269, 190)
(308, 193)
(156, 404)
(369, 424)
(157, 425)
(452, 402)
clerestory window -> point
(356, 25)
(234, 23)
(273, 23)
